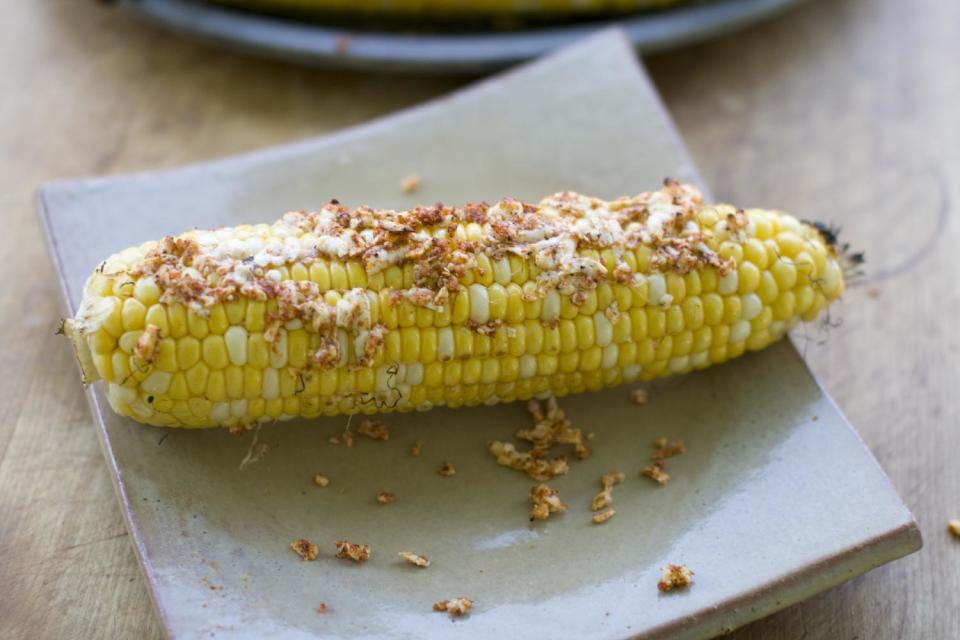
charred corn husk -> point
(347, 311)
(461, 8)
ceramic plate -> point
(776, 499)
(317, 43)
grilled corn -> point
(345, 311)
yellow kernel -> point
(748, 277)
(638, 323)
(590, 359)
(568, 335)
(471, 371)
(585, 332)
(406, 314)
(217, 320)
(569, 361)
(482, 345)
(547, 364)
(592, 298)
(551, 339)
(721, 335)
(197, 325)
(728, 250)
(674, 320)
(254, 320)
(451, 373)
(484, 270)
(676, 287)
(166, 355)
(215, 351)
(258, 351)
(656, 322)
(252, 382)
(391, 346)
(497, 301)
(236, 310)
(532, 305)
(664, 348)
(216, 387)
(356, 275)
(682, 343)
(338, 276)
(461, 307)
(196, 378)
(410, 344)
(804, 299)
(509, 369)
(320, 274)
(789, 244)
(462, 342)
(640, 290)
(768, 290)
(732, 309)
(157, 316)
(188, 352)
(702, 339)
(783, 306)
(708, 280)
(533, 336)
(133, 314)
(178, 387)
(693, 313)
(146, 291)
(755, 252)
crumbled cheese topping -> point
(603, 516)
(321, 481)
(446, 470)
(201, 268)
(385, 497)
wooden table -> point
(844, 110)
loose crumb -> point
(546, 500)
(873, 292)
(675, 576)
(416, 448)
(603, 516)
(385, 497)
(348, 439)
(954, 527)
(664, 449)
(352, 551)
(605, 498)
(639, 396)
(322, 608)
(551, 427)
(374, 430)
(305, 549)
(416, 559)
(447, 470)
(321, 481)
(455, 606)
(656, 472)
(333, 440)
(411, 183)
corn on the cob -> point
(461, 8)
(342, 311)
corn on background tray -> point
(776, 499)
(407, 49)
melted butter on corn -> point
(363, 311)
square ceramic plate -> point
(777, 498)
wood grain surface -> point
(842, 110)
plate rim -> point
(319, 45)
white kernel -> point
(611, 353)
(479, 304)
(414, 373)
(700, 359)
(602, 328)
(551, 306)
(751, 305)
(445, 344)
(271, 384)
(631, 372)
(728, 284)
(528, 366)
(157, 382)
(236, 341)
(679, 364)
(220, 411)
(501, 271)
(657, 288)
(740, 331)
(238, 408)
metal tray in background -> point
(470, 52)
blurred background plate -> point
(439, 49)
